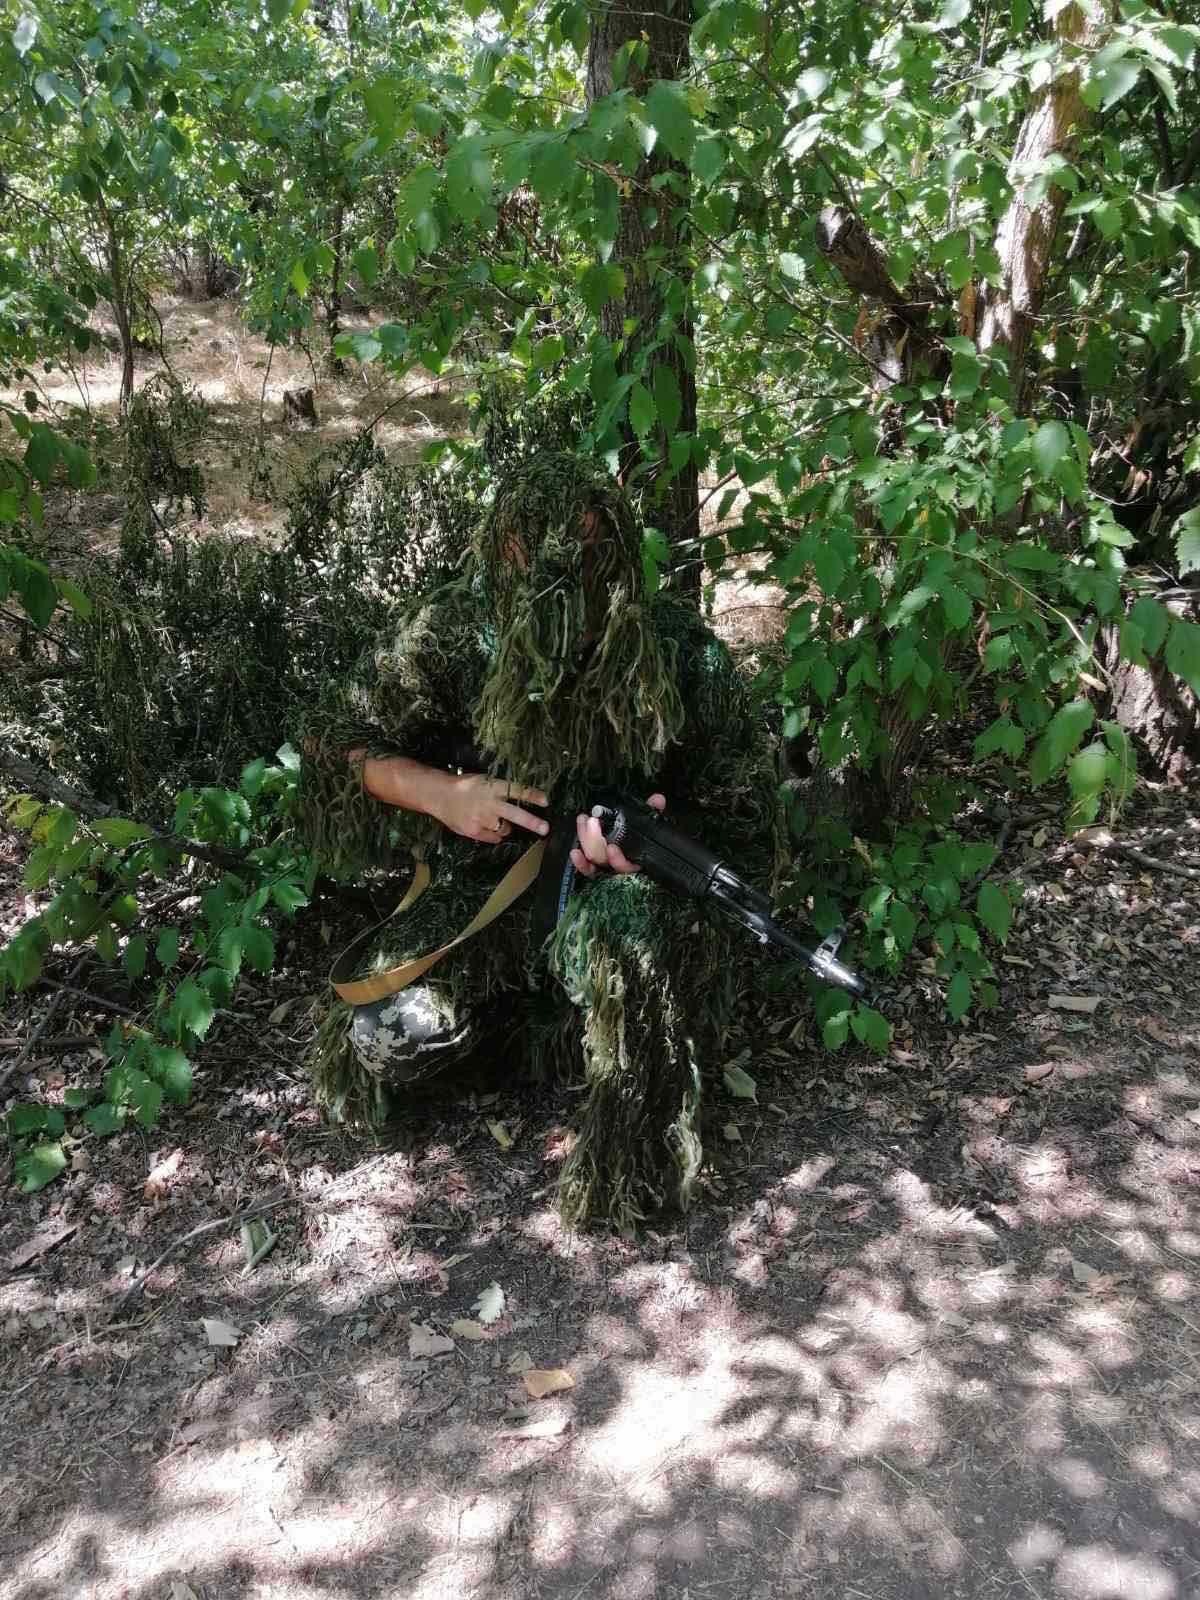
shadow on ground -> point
(958, 1358)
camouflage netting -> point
(495, 660)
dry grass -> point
(209, 348)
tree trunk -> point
(1154, 706)
(650, 250)
(893, 328)
(1026, 233)
(333, 306)
(121, 301)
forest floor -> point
(931, 1330)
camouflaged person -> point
(542, 671)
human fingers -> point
(619, 861)
(523, 819)
(592, 840)
(581, 863)
(518, 791)
(658, 801)
(491, 832)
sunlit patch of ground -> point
(933, 1329)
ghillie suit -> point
(568, 683)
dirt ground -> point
(932, 1330)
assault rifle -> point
(686, 867)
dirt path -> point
(934, 1329)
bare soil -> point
(933, 1329)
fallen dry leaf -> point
(489, 1307)
(1038, 1071)
(464, 1328)
(541, 1428)
(732, 1132)
(182, 1591)
(1157, 1029)
(501, 1135)
(1075, 1002)
(425, 1341)
(740, 1084)
(158, 1180)
(518, 1363)
(220, 1333)
(541, 1381)
(1083, 1271)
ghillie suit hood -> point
(577, 681)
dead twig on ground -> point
(11, 1072)
(235, 1220)
(1106, 844)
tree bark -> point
(1026, 232)
(121, 302)
(1154, 706)
(650, 248)
(893, 330)
(333, 306)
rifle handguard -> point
(690, 868)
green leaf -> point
(708, 159)
(740, 1084)
(192, 1010)
(75, 1099)
(120, 832)
(958, 995)
(134, 958)
(166, 951)
(37, 1167)
(1027, 557)
(835, 1030)
(35, 587)
(667, 399)
(599, 284)
(468, 178)
(174, 1071)
(365, 261)
(953, 12)
(1187, 542)
(39, 868)
(871, 1028)
(25, 1119)
(1151, 619)
(994, 910)
(104, 1118)
(1110, 82)
(1050, 445)
(903, 923)
(551, 169)
(642, 414)
(667, 111)
(1003, 735)
(298, 278)
(957, 605)
(289, 897)
(75, 597)
(1183, 651)
(24, 34)
(147, 1100)
(1067, 727)
(258, 946)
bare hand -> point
(594, 851)
(483, 809)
